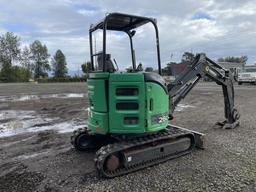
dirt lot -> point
(35, 153)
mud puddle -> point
(14, 122)
(16, 98)
(182, 107)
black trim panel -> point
(156, 78)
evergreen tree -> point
(9, 53)
(59, 64)
(187, 57)
(39, 57)
(26, 60)
(86, 67)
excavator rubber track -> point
(134, 154)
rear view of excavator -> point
(129, 111)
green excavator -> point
(129, 112)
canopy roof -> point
(121, 22)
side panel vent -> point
(127, 91)
(127, 106)
(131, 120)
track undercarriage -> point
(118, 155)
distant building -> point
(233, 67)
(176, 69)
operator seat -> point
(109, 64)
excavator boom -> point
(203, 66)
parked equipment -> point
(129, 112)
(247, 76)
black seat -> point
(109, 64)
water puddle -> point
(16, 98)
(182, 107)
(14, 122)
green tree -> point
(59, 64)
(149, 69)
(9, 53)
(20, 74)
(26, 60)
(243, 59)
(86, 67)
(168, 69)
(39, 57)
(187, 57)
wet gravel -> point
(45, 161)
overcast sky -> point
(218, 28)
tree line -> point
(19, 64)
(243, 59)
(187, 59)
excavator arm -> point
(202, 66)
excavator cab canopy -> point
(123, 23)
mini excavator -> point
(129, 112)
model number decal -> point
(159, 118)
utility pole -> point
(78, 71)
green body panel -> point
(157, 107)
(98, 110)
(126, 77)
(98, 122)
(123, 103)
(98, 75)
(97, 95)
(117, 117)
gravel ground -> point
(39, 157)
